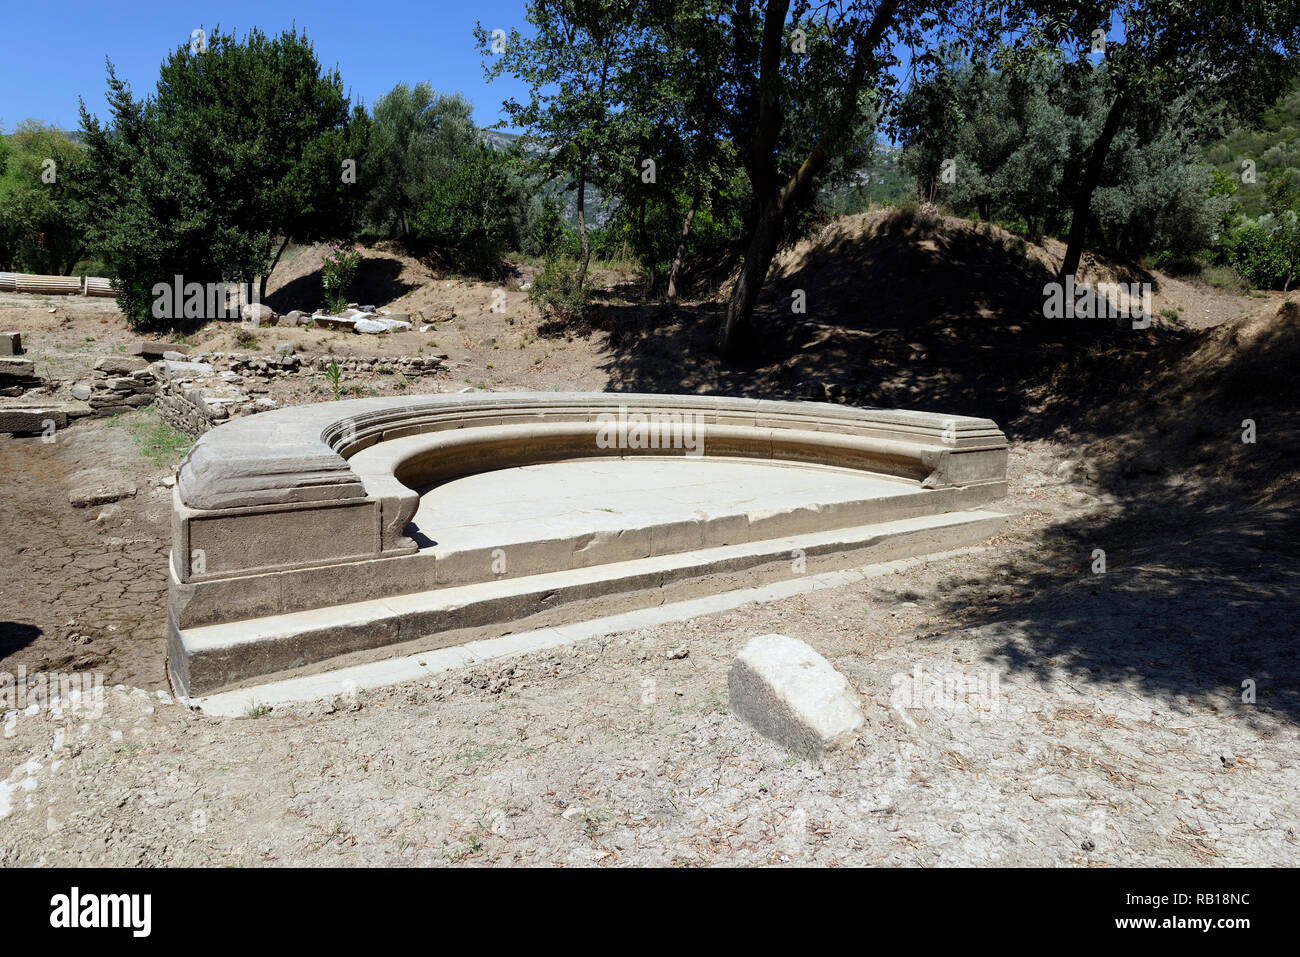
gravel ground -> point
(1100, 722)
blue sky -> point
(51, 53)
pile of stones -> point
(192, 397)
(287, 364)
(120, 384)
(17, 376)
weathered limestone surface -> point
(121, 383)
(11, 344)
(791, 694)
(309, 507)
(153, 351)
(33, 420)
(17, 376)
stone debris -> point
(791, 694)
(120, 365)
(17, 376)
(153, 351)
(257, 314)
(11, 344)
(120, 384)
(36, 420)
(334, 322)
(103, 494)
(433, 314)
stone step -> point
(40, 419)
(213, 658)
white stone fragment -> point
(790, 693)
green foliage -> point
(334, 376)
(338, 270)
(418, 139)
(1014, 132)
(544, 230)
(160, 443)
(241, 148)
(42, 217)
(558, 289)
(470, 214)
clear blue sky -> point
(51, 53)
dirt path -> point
(1113, 732)
(83, 589)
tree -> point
(1239, 54)
(42, 220)
(243, 147)
(471, 214)
(418, 139)
(571, 66)
(1015, 129)
(842, 75)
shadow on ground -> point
(15, 636)
(1201, 589)
(905, 316)
(379, 280)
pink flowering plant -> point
(337, 273)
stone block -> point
(335, 322)
(91, 495)
(791, 694)
(120, 365)
(31, 421)
(174, 370)
(257, 314)
(153, 351)
(17, 369)
(11, 344)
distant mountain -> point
(498, 139)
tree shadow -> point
(1199, 529)
(378, 282)
(1201, 585)
(907, 315)
(15, 636)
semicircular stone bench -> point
(311, 537)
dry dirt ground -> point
(1117, 724)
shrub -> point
(337, 273)
(1254, 252)
(556, 290)
(468, 216)
(544, 232)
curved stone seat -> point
(310, 506)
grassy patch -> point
(160, 443)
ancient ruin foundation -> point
(310, 537)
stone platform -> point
(323, 536)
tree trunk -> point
(582, 223)
(773, 197)
(675, 273)
(261, 288)
(1091, 177)
(737, 325)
